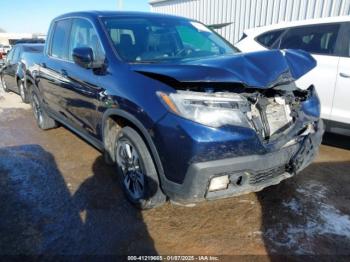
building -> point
(10, 38)
(232, 17)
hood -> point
(262, 69)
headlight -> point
(211, 109)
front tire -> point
(42, 119)
(138, 174)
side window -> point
(348, 49)
(269, 38)
(10, 55)
(16, 54)
(345, 39)
(84, 35)
(60, 38)
(316, 39)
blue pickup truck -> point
(179, 112)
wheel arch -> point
(29, 83)
(119, 117)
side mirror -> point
(83, 56)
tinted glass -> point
(60, 39)
(84, 35)
(9, 55)
(317, 39)
(269, 38)
(16, 54)
(159, 39)
(33, 49)
(345, 39)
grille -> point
(263, 176)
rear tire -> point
(137, 172)
(42, 119)
(22, 92)
(3, 84)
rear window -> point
(316, 39)
(269, 38)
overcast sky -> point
(34, 16)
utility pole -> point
(120, 5)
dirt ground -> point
(58, 197)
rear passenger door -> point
(341, 103)
(321, 41)
(53, 69)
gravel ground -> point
(58, 197)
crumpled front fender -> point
(299, 62)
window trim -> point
(70, 33)
(339, 52)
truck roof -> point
(30, 44)
(94, 14)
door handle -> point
(344, 75)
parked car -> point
(328, 41)
(174, 106)
(13, 71)
(30, 41)
(4, 49)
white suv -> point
(328, 40)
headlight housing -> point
(211, 109)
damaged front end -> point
(230, 138)
(281, 116)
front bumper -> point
(254, 172)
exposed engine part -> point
(271, 115)
(271, 112)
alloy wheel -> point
(133, 174)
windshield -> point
(161, 39)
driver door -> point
(81, 95)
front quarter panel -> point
(133, 93)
